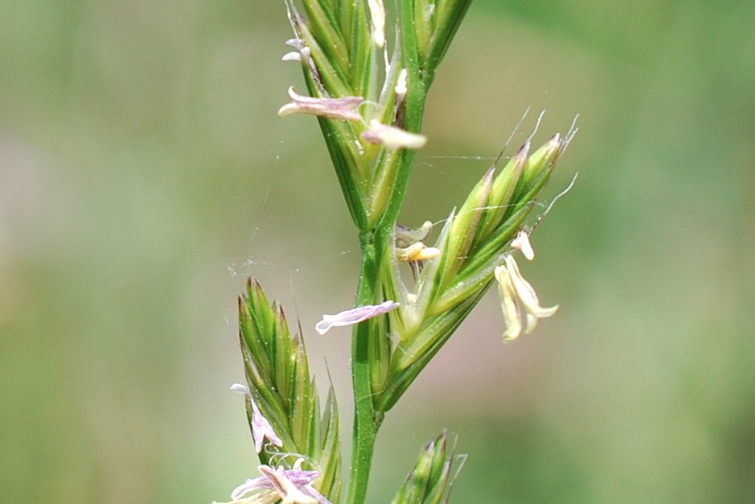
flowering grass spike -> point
(367, 66)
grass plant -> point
(367, 69)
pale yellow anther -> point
(401, 87)
(406, 236)
(416, 252)
(519, 302)
(377, 14)
(393, 137)
(345, 108)
(522, 243)
(507, 294)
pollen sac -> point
(416, 252)
(519, 302)
(392, 137)
(354, 316)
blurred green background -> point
(144, 173)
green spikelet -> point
(431, 479)
(277, 372)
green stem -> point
(366, 420)
(375, 243)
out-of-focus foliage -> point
(141, 155)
